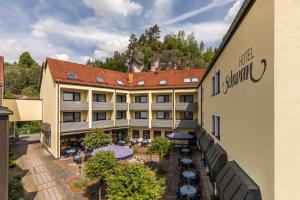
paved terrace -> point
(47, 178)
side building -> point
(79, 98)
(250, 102)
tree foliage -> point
(97, 139)
(22, 78)
(175, 51)
(134, 182)
(160, 145)
(100, 166)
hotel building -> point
(250, 102)
(79, 98)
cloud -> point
(213, 4)
(61, 56)
(114, 7)
(233, 11)
(161, 10)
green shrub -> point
(12, 162)
(15, 189)
(80, 184)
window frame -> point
(137, 115)
(216, 126)
(135, 133)
(183, 98)
(184, 115)
(74, 95)
(73, 114)
(98, 97)
(166, 98)
(138, 99)
(97, 117)
(166, 115)
(146, 133)
(121, 97)
(123, 115)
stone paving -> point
(46, 178)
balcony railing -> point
(161, 106)
(74, 126)
(139, 122)
(185, 124)
(139, 106)
(121, 106)
(102, 106)
(103, 124)
(160, 123)
(187, 106)
(73, 105)
(121, 122)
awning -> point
(121, 153)
(216, 159)
(199, 132)
(46, 128)
(180, 136)
(234, 184)
(205, 143)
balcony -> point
(139, 106)
(73, 106)
(103, 124)
(160, 123)
(186, 124)
(139, 122)
(121, 122)
(161, 106)
(186, 106)
(102, 106)
(74, 126)
(121, 106)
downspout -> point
(58, 123)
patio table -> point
(188, 190)
(189, 174)
(186, 161)
(70, 151)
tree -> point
(97, 139)
(161, 146)
(134, 182)
(25, 60)
(30, 91)
(100, 166)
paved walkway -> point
(46, 178)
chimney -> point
(130, 77)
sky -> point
(78, 30)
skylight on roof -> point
(195, 80)
(141, 82)
(100, 80)
(72, 75)
(187, 80)
(162, 82)
(120, 82)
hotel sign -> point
(246, 71)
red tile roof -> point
(86, 75)
(1, 70)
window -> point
(97, 116)
(202, 93)
(186, 98)
(186, 115)
(100, 80)
(121, 99)
(71, 117)
(216, 126)
(187, 80)
(216, 83)
(156, 134)
(141, 83)
(120, 82)
(121, 114)
(71, 96)
(140, 99)
(141, 115)
(162, 115)
(194, 80)
(135, 134)
(162, 82)
(146, 134)
(99, 97)
(162, 99)
(72, 75)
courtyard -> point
(44, 177)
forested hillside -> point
(148, 52)
(22, 78)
